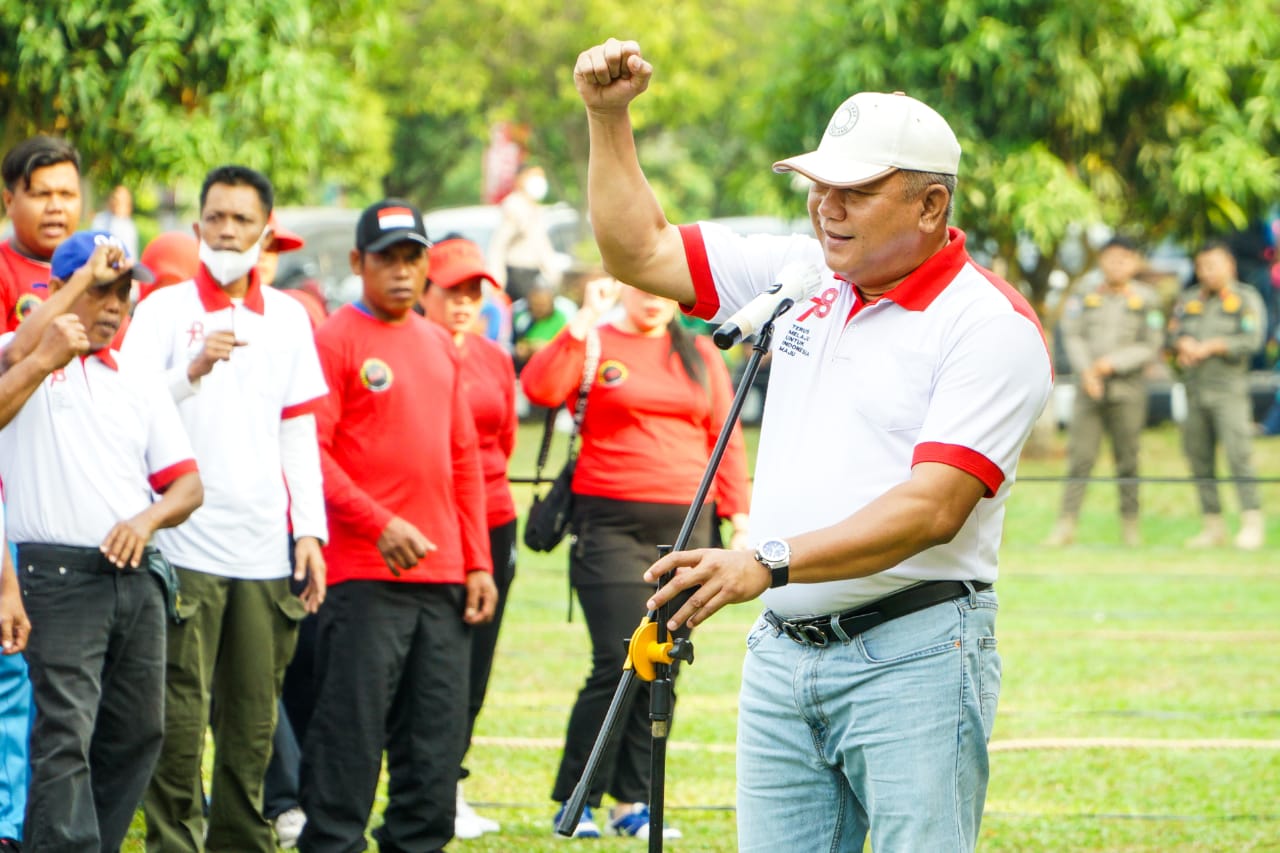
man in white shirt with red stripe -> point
(82, 462)
(241, 361)
(899, 399)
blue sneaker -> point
(586, 827)
(635, 824)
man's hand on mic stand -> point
(722, 577)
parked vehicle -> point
(322, 265)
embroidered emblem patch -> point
(27, 303)
(844, 119)
(375, 374)
(611, 373)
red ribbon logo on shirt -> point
(821, 304)
(196, 332)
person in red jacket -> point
(453, 299)
(656, 405)
(408, 557)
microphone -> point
(796, 282)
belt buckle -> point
(804, 634)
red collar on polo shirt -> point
(214, 298)
(104, 355)
(917, 291)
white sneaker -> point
(289, 826)
(468, 824)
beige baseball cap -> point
(872, 134)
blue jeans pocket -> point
(916, 635)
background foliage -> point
(162, 90)
(1158, 116)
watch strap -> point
(779, 575)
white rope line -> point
(1010, 745)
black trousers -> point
(484, 638)
(97, 660)
(393, 663)
(617, 541)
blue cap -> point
(74, 252)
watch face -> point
(774, 550)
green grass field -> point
(1140, 707)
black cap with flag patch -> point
(388, 222)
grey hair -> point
(915, 183)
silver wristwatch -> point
(775, 555)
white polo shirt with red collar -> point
(88, 449)
(950, 366)
(233, 415)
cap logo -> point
(108, 240)
(375, 374)
(392, 218)
(844, 120)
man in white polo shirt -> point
(899, 399)
(241, 361)
(82, 462)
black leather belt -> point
(70, 557)
(821, 630)
(73, 558)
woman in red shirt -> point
(453, 299)
(654, 410)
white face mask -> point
(228, 265)
(536, 187)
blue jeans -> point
(16, 713)
(883, 734)
(15, 725)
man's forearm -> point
(637, 243)
(183, 497)
(925, 511)
(27, 337)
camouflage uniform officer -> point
(1111, 334)
(1213, 332)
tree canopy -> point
(512, 60)
(1157, 117)
(160, 90)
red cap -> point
(173, 256)
(455, 261)
(285, 240)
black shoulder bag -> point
(548, 519)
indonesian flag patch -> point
(391, 218)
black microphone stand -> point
(650, 653)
